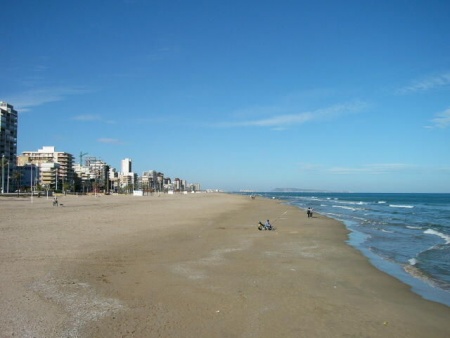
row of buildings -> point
(48, 169)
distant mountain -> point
(297, 190)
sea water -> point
(404, 235)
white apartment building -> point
(126, 177)
(57, 165)
(126, 166)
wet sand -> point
(193, 266)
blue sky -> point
(331, 95)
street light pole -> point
(3, 174)
(31, 181)
(7, 182)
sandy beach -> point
(193, 266)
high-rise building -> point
(127, 178)
(126, 166)
(8, 141)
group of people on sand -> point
(266, 226)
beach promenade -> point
(193, 266)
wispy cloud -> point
(283, 121)
(26, 100)
(442, 120)
(430, 83)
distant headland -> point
(298, 190)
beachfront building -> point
(99, 174)
(113, 177)
(178, 185)
(126, 166)
(8, 143)
(93, 176)
(82, 177)
(127, 179)
(152, 180)
(48, 177)
(194, 187)
(57, 166)
(24, 178)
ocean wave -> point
(346, 208)
(401, 206)
(388, 231)
(417, 273)
(335, 216)
(445, 237)
(381, 202)
(351, 202)
(414, 228)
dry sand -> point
(193, 266)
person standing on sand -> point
(309, 212)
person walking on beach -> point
(309, 212)
(55, 201)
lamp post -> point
(3, 173)
(7, 182)
(31, 181)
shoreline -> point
(412, 278)
(194, 265)
(421, 284)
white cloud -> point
(442, 120)
(286, 120)
(430, 83)
(26, 100)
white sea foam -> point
(343, 207)
(391, 232)
(415, 228)
(381, 202)
(401, 206)
(412, 261)
(445, 237)
(415, 272)
(351, 202)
